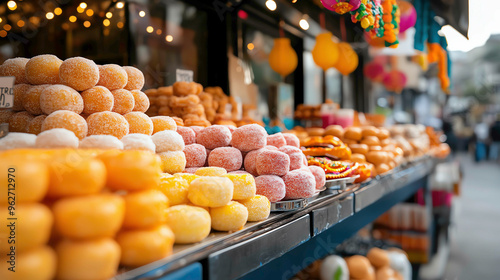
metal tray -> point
(341, 183)
(294, 204)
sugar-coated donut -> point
(173, 161)
(277, 140)
(295, 154)
(249, 137)
(299, 184)
(230, 217)
(112, 76)
(144, 209)
(319, 176)
(135, 78)
(191, 170)
(20, 91)
(168, 140)
(5, 115)
(60, 97)
(198, 227)
(187, 134)
(108, 123)
(101, 142)
(211, 191)
(211, 171)
(97, 99)
(291, 140)
(244, 185)
(68, 120)
(251, 161)
(79, 73)
(259, 208)
(123, 101)
(17, 140)
(136, 141)
(15, 67)
(214, 136)
(35, 125)
(38, 263)
(175, 188)
(141, 100)
(270, 186)
(161, 123)
(56, 138)
(196, 155)
(43, 69)
(239, 172)
(19, 121)
(31, 100)
(196, 129)
(139, 123)
(271, 148)
(272, 163)
(228, 158)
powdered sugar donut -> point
(304, 159)
(196, 129)
(305, 169)
(271, 186)
(68, 120)
(296, 156)
(292, 139)
(15, 67)
(228, 158)
(79, 73)
(276, 140)
(208, 154)
(238, 172)
(56, 138)
(251, 160)
(101, 142)
(135, 78)
(214, 136)
(299, 184)
(231, 128)
(17, 140)
(196, 155)
(249, 137)
(272, 163)
(173, 161)
(138, 141)
(168, 140)
(187, 134)
(319, 176)
(271, 148)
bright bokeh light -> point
(109, 14)
(72, 18)
(142, 13)
(20, 23)
(90, 12)
(271, 5)
(83, 5)
(57, 11)
(49, 15)
(120, 25)
(150, 29)
(106, 22)
(86, 24)
(250, 46)
(304, 24)
(12, 5)
(120, 5)
(169, 38)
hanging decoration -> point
(283, 58)
(395, 81)
(374, 71)
(408, 15)
(348, 59)
(391, 23)
(325, 52)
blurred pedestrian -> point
(481, 135)
(495, 140)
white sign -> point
(184, 75)
(7, 92)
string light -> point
(49, 15)
(271, 5)
(120, 25)
(109, 14)
(72, 18)
(106, 22)
(20, 23)
(12, 5)
(169, 38)
(158, 31)
(120, 5)
(80, 9)
(150, 29)
(57, 11)
(90, 12)
(83, 5)
(303, 23)
(142, 13)
(86, 24)
(3, 33)
(251, 46)
(7, 27)
(1, 20)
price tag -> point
(7, 92)
(184, 75)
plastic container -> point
(344, 117)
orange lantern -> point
(325, 52)
(283, 58)
(348, 59)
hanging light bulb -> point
(120, 5)
(283, 58)
(325, 52)
(271, 5)
(12, 5)
(142, 13)
(303, 23)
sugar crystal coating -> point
(191, 170)
(249, 137)
(168, 140)
(141, 101)
(270, 186)
(20, 92)
(107, 123)
(299, 184)
(139, 123)
(79, 73)
(15, 67)
(230, 217)
(272, 163)
(187, 134)
(35, 125)
(43, 69)
(196, 155)
(123, 101)
(271, 148)
(292, 140)
(239, 172)
(112, 76)
(176, 189)
(210, 191)
(228, 158)
(56, 138)
(214, 136)
(135, 78)
(19, 121)
(259, 208)
(135, 141)
(173, 161)
(16, 140)
(31, 99)
(210, 171)
(5, 115)
(60, 97)
(277, 140)
(198, 227)
(295, 154)
(251, 160)
(101, 142)
(196, 129)
(68, 120)
(244, 185)
(97, 99)
(161, 123)
(186, 176)
(319, 176)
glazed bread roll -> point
(316, 131)
(371, 141)
(359, 158)
(376, 157)
(335, 130)
(353, 133)
(370, 131)
(359, 148)
(382, 168)
(383, 133)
